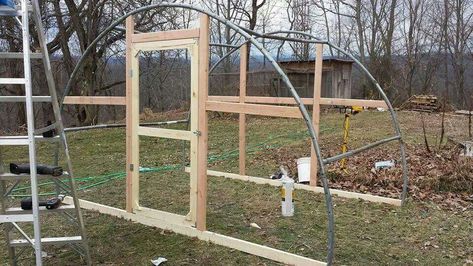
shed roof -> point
(327, 58)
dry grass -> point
(421, 233)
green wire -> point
(212, 158)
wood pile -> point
(424, 103)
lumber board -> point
(202, 146)
(135, 123)
(164, 45)
(164, 133)
(354, 102)
(254, 109)
(463, 112)
(242, 117)
(305, 101)
(162, 215)
(165, 35)
(194, 117)
(130, 25)
(176, 225)
(316, 110)
(316, 189)
(95, 100)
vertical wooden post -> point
(242, 124)
(129, 173)
(203, 124)
(316, 109)
(194, 174)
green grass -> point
(420, 233)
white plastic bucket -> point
(303, 169)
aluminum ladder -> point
(11, 218)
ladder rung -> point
(48, 241)
(12, 12)
(12, 55)
(7, 141)
(17, 99)
(12, 81)
(14, 177)
(9, 12)
(16, 218)
(23, 140)
(19, 210)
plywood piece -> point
(165, 133)
(175, 224)
(201, 216)
(165, 35)
(95, 100)
(316, 110)
(255, 109)
(242, 117)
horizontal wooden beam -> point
(306, 101)
(95, 100)
(164, 133)
(254, 109)
(165, 35)
(177, 225)
(354, 102)
(340, 193)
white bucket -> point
(303, 169)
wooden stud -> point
(165, 35)
(232, 99)
(316, 109)
(194, 127)
(177, 224)
(134, 166)
(165, 45)
(242, 120)
(201, 216)
(254, 109)
(354, 102)
(306, 101)
(162, 215)
(130, 25)
(316, 189)
(164, 133)
(95, 100)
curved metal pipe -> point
(302, 108)
(225, 56)
(394, 119)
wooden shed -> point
(336, 77)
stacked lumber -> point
(424, 103)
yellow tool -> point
(353, 110)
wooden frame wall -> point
(156, 41)
(196, 41)
(194, 224)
